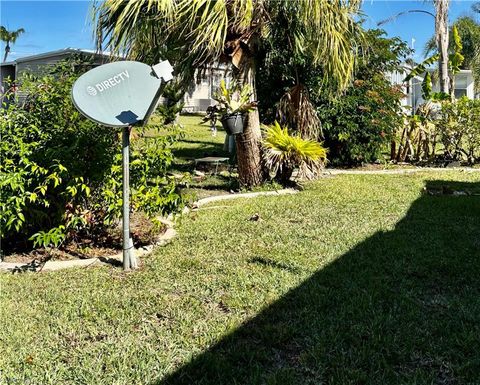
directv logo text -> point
(109, 83)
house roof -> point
(8, 63)
(63, 51)
(461, 72)
(431, 70)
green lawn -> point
(355, 280)
(198, 142)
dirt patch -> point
(144, 232)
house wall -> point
(464, 86)
(43, 65)
(39, 66)
(470, 86)
(6, 72)
(397, 78)
(200, 94)
(198, 97)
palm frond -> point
(430, 47)
(296, 110)
(284, 151)
(396, 16)
(120, 24)
(421, 68)
(199, 31)
(332, 36)
(10, 36)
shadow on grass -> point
(204, 150)
(272, 263)
(212, 184)
(403, 307)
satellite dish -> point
(120, 94)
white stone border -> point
(216, 198)
(337, 171)
(163, 239)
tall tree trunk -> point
(441, 36)
(249, 155)
(7, 51)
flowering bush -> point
(362, 123)
(60, 175)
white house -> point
(198, 97)
(464, 86)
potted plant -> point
(233, 103)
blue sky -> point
(417, 26)
(52, 25)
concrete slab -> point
(58, 265)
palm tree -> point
(441, 37)
(194, 33)
(469, 31)
(9, 37)
(476, 7)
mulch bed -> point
(143, 232)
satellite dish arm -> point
(163, 71)
(153, 105)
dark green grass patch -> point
(356, 280)
(198, 141)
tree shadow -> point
(402, 307)
(203, 150)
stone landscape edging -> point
(337, 171)
(163, 239)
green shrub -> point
(152, 190)
(459, 129)
(60, 176)
(284, 152)
(360, 125)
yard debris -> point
(445, 190)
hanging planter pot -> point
(233, 123)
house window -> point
(459, 92)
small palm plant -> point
(284, 152)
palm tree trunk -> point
(7, 51)
(250, 169)
(441, 35)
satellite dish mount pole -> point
(129, 259)
(131, 79)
